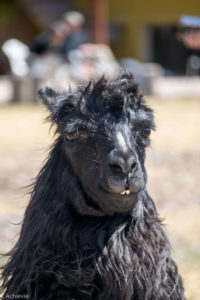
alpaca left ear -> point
(52, 100)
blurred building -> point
(24, 19)
(141, 29)
(146, 30)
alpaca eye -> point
(146, 132)
(76, 134)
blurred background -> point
(61, 43)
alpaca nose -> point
(120, 164)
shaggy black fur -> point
(81, 238)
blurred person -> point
(50, 40)
(76, 36)
(189, 32)
(50, 50)
(189, 35)
(46, 56)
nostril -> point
(115, 167)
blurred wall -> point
(137, 15)
(134, 17)
(131, 23)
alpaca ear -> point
(52, 100)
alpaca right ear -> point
(49, 98)
(52, 100)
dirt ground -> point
(173, 164)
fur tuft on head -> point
(108, 95)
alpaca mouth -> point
(127, 190)
(125, 193)
(111, 202)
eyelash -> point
(76, 134)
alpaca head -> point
(105, 128)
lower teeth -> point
(126, 192)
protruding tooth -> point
(123, 193)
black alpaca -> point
(91, 231)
